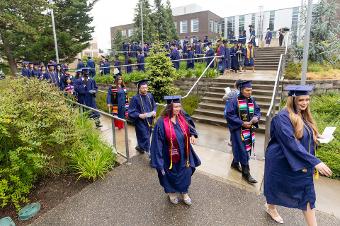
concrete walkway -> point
(131, 195)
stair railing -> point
(278, 87)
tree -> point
(117, 41)
(160, 72)
(147, 22)
(31, 37)
(171, 29)
(160, 21)
(19, 21)
(324, 42)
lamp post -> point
(141, 18)
(306, 43)
(54, 34)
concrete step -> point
(219, 121)
(254, 82)
(219, 95)
(256, 92)
(215, 100)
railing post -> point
(113, 133)
(127, 142)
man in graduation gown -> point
(210, 54)
(140, 61)
(234, 61)
(242, 116)
(51, 75)
(172, 154)
(268, 38)
(91, 64)
(24, 70)
(142, 110)
(190, 60)
(80, 64)
(221, 53)
(227, 57)
(174, 56)
(117, 64)
(86, 89)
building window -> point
(211, 25)
(271, 20)
(231, 27)
(183, 26)
(124, 33)
(215, 26)
(241, 24)
(194, 25)
(220, 28)
(130, 32)
(295, 18)
(253, 20)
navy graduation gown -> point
(178, 179)
(289, 166)
(190, 61)
(174, 55)
(80, 65)
(142, 128)
(84, 96)
(210, 53)
(119, 100)
(91, 64)
(234, 124)
(140, 61)
(227, 57)
(234, 61)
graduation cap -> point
(244, 84)
(141, 82)
(209, 43)
(50, 64)
(173, 99)
(299, 90)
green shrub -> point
(104, 79)
(293, 70)
(190, 104)
(38, 133)
(326, 111)
(317, 67)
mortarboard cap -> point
(85, 69)
(172, 99)
(299, 90)
(244, 84)
(141, 82)
(50, 64)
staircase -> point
(211, 108)
(267, 58)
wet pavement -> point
(131, 195)
(250, 75)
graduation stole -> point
(114, 99)
(250, 52)
(245, 110)
(172, 139)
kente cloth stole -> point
(170, 134)
(246, 112)
(114, 100)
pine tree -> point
(117, 41)
(160, 72)
(160, 21)
(171, 29)
(147, 22)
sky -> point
(109, 13)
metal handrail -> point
(127, 155)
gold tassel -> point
(316, 174)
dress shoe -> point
(236, 166)
(139, 150)
(274, 214)
(173, 199)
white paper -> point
(327, 135)
(227, 90)
(149, 114)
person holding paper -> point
(141, 111)
(171, 152)
(290, 157)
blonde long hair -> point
(297, 118)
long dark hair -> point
(168, 110)
(116, 82)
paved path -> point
(131, 195)
(250, 75)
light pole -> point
(306, 43)
(54, 34)
(141, 18)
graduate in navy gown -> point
(117, 99)
(171, 152)
(24, 70)
(80, 64)
(142, 110)
(140, 61)
(91, 64)
(30, 70)
(210, 54)
(242, 114)
(117, 64)
(86, 89)
(252, 35)
(190, 60)
(174, 56)
(220, 52)
(233, 55)
(268, 38)
(290, 157)
(51, 76)
(36, 72)
(227, 57)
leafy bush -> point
(189, 105)
(38, 133)
(293, 70)
(326, 111)
(160, 72)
